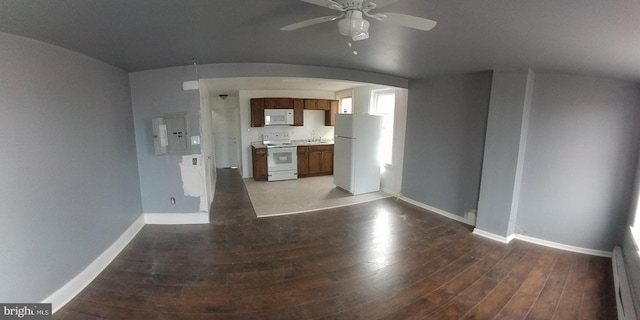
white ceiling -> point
(595, 37)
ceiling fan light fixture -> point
(354, 26)
(361, 36)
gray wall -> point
(446, 122)
(505, 143)
(157, 93)
(580, 160)
(69, 181)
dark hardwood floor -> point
(379, 260)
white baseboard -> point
(492, 236)
(67, 292)
(63, 295)
(177, 218)
(541, 242)
(564, 247)
(390, 192)
(436, 210)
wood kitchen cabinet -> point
(330, 115)
(257, 112)
(323, 104)
(315, 160)
(320, 160)
(317, 104)
(298, 112)
(311, 104)
(259, 104)
(259, 161)
(303, 161)
(330, 107)
(278, 103)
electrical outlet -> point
(194, 161)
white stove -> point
(282, 157)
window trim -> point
(342, 95)
(373, 109)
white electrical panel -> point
(160, 140)
(170, 134)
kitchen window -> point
(346, 105)
(384, 104)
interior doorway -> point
(226, 130)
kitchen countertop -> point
(259, 144)
(311, 143)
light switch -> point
(195, 140)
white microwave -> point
(278, 117)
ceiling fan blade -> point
(404, 20)
(324, 3)
(309, 22)
(380, 3)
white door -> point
(226, 124)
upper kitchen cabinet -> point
(257, 112)
(330, 107)
(311, 104)
(298, 112)
(324, 104)
(330, 115)
(278, 103)
(317, 104)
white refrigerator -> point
(355, 162)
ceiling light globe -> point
(353, 26)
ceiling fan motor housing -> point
(352, 25)
(350, 4)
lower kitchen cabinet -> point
(320, 160)
(303, 161)
(259, 160)
(315, 160)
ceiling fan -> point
(351, 22)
